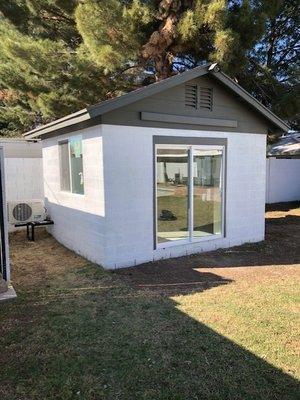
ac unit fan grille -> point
(22, 212)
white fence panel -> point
(24, 179)
(283, 180)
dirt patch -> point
(289, 206)
(281, 247)
(34, 264)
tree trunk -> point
(159, 47)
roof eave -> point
(113, 104)
(110, 105)
(68, 120)
(150, 90)
(264, 111)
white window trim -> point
(191, 239)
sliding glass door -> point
(189, 192)
(207, 193)
(172, 194)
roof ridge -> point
(98, 109)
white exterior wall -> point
(23, 171)
(79, 221)
(112, 223)
(24, 179)
(128, 174)
(283, 180)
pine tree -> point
(155, 34)
(43, 72)
(57, 56)
(267, 57)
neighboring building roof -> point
(113, 104)
(288, 146)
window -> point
(71, 166)
(189, 192)
(172, 194)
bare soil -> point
(34, 264)
(280, 247)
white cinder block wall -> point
(79, 220)
(128, 176)
(112, 223)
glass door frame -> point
(4, 247)
(190, 148)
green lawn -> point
(78, 332)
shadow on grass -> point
(115, 341)
(170, 277)
(92, 335)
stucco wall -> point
(283, 180)
(128, 175)
(79, 220)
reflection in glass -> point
(207, 173)
(65, 182)
(172, 194)
(76, 164)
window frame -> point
(64, 141)
(191, 147)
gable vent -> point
(191, 97)
(206, 98)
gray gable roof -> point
(104, 107)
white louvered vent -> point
(191, 96)
(206, 98)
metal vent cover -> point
(22, 212)
(191, 96)
(206, 98)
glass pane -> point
(64, 166)
(76, 164)
(207, 167)
(172, 194)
